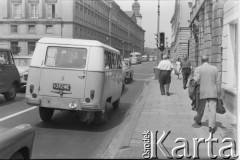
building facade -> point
(180, 29)
(230, 51)
(24, 22)
(214, 32)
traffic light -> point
(162, 41)
(157, 39)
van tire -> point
(9, 96)
(46, 113)
(17, 155)
(116, 104)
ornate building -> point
(180, 29)
(136, 10)
(24, 22)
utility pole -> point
(158, 19)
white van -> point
(74, 74)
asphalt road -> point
(65, 136)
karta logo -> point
(153, 145)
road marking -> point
(16, 114)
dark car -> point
(9, 76)
(128, 71)
(17, 142)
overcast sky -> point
(148, 9)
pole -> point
(158, 19)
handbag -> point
(220, 107)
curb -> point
(124, 134)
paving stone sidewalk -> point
(173, 113)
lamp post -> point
(123, 50)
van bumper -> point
(36, 102)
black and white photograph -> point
(119, 79)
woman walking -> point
(178, 66)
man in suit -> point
(207, 76)
(185, 67)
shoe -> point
(168, 94)
(211, 130)
(184, 87)
(199, 123)
(163, 93)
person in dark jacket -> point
(186, 70)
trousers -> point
(185, 73)
(211, 105)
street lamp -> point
(123, 49)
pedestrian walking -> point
(207, 76)
(186, 70)
(178, 66)
(165, 67)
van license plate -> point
(64, 87)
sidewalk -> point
(171, 113)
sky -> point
(148, 9)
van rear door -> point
(63, 74)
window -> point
(31, 47)
(34, 10)
(49, 29)
(17, 10)
(31, 29)
(66, 57)
(14, 29)
(51, 12)
(14, 47)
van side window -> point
(66, 57)
(106, 59)
(114, 60)
(120, 63)
(111, 60)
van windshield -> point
(65, 57)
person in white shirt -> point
(165, 67)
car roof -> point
(78, 42)
(21, 57)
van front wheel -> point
(46, 113)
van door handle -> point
(81, 77)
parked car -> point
(10, 79)
(144, 58)
(22, 63)
(17, 142)
(151, 58)
(128, 71)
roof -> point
(24, 57)
(136, 53)
(77, 42)
(129, 13)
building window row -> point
(17, 11)
(31, 29)
(89, 16)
